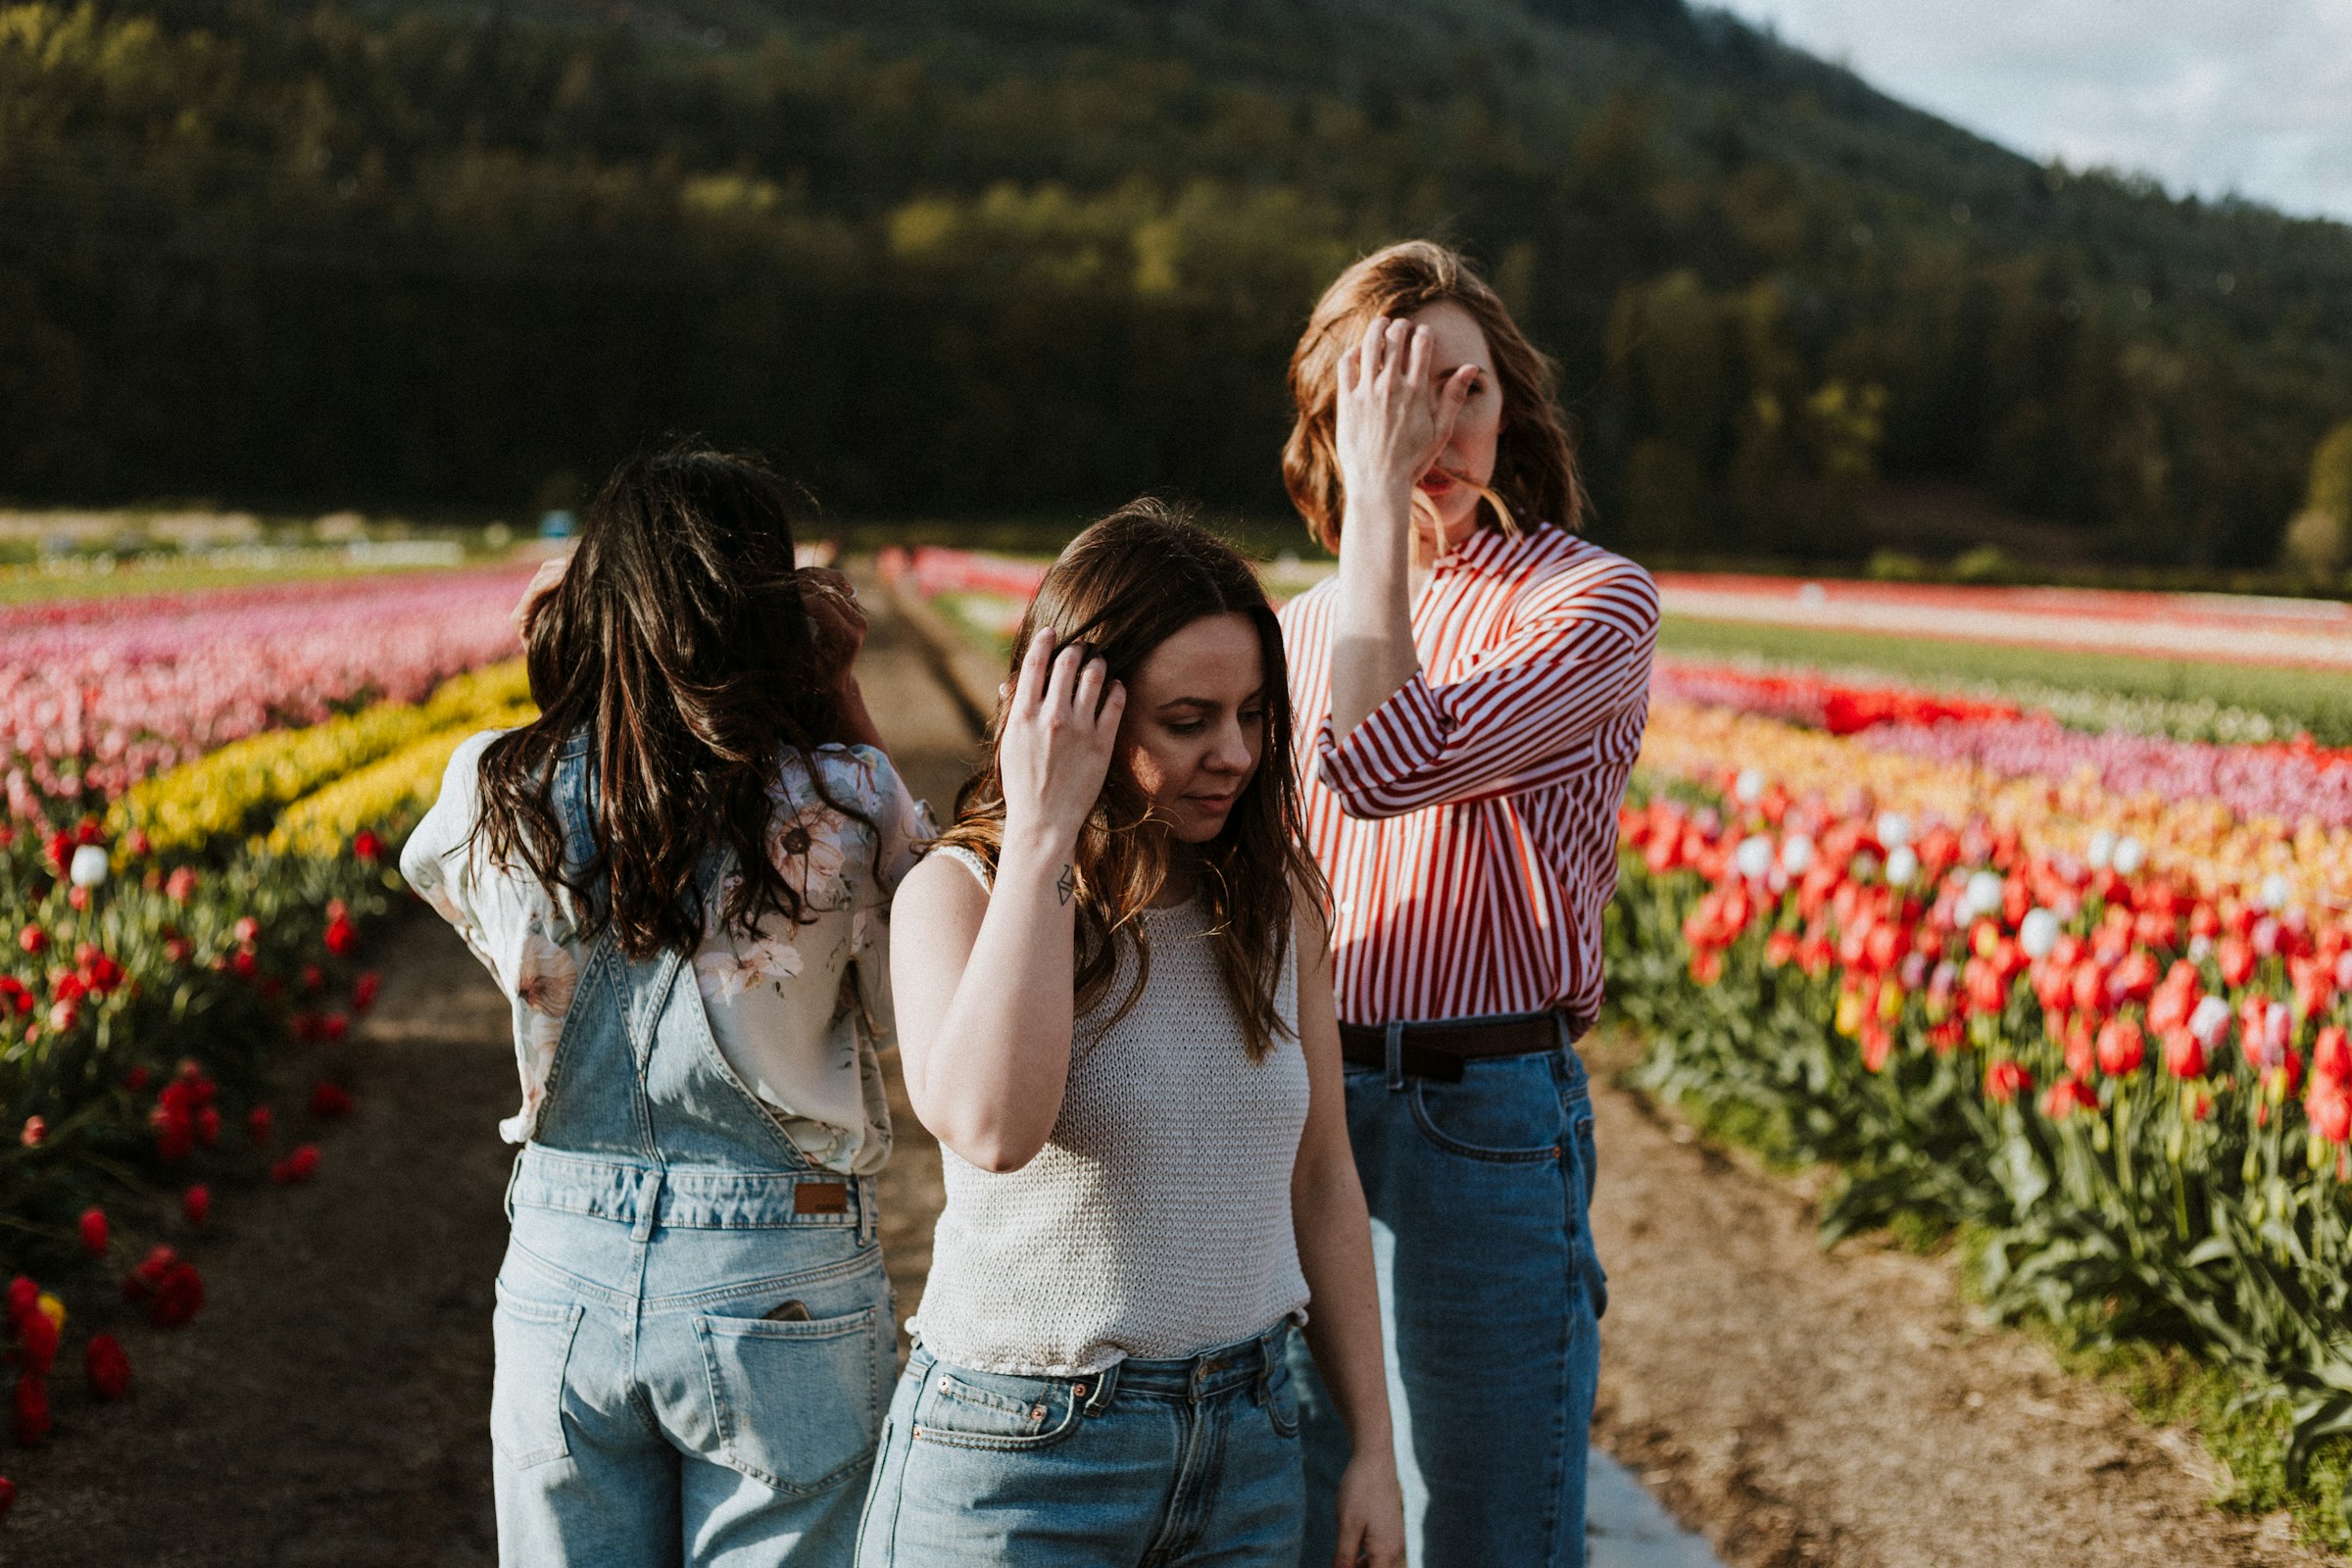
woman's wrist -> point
(1035, 851)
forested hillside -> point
(957, 255)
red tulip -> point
(342, 937)
(33, 1421)
(248, 929)
(2329, 1111)
(2066, 1097)
(197, 1205)
(298, 1166)
(2183, 1053)
(8, 1496)
(2122, 1048)
(2005, 1080)
(37, 1341)
(2331, 1056)
(364, 991)
(330, 1101)
(33, 940)
(107, 1367)
(180, 886)
(367, 848)
(179, 1296)
(258, 1123)
(36, 1130)
(2237, 957)
(93, 1232)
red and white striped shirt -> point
(1469, 825)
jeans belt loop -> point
(862, 1188)
(1395, 1043)
(514, 1179)
(1105, 1381)
(649, 1207)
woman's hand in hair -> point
(544, 581)
(838, 623)
(1393, 418)
(1053, 750)
(835, 618)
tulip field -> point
(2085, 992)
(203, 791)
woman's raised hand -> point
(1393, 419)
(1054, 749)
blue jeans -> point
(658, 1399)
(1491, 1297)
(1153, 1463)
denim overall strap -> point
(638, 1074)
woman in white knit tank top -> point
(1115, 1005)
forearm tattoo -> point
(1068, 887)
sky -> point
(2212, 96)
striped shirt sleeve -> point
(1578, 659)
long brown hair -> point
(1124, 587)
(1535, 461)
(678, 641)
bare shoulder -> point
(941, 894)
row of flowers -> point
(177, 958)
(2050, 991)
(96, 696)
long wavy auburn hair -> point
(1124, 587)
(679, 641)
(1535, 478)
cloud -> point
(2245, 96)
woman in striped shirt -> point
(1478, 678)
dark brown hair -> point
(1535, 461)
(1126, 585)
(678, 641)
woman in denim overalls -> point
(694, 1331)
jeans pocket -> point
(797, 1405)
(1504, 1123)
(969, 1410)
(532, 1342)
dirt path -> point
(1842, 1409)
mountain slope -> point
(1023, 253)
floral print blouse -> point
(799, 1011)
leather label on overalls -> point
(820, 1198)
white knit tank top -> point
(1156, 1222)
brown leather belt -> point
(1437, 1049)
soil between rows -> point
(329, 1405)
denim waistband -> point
(1241, 1364)
(638, 1195)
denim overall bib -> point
(694, 1331)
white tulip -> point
(2038, 933)
(2276, 890)
(2129, 855)
(1753, 857)
(1984, 894)
(2101, 851)
(88, 869)
(1894, 829)
(1796, 854)
(1902, 865)
(1748, 788)
(2210, 1021)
